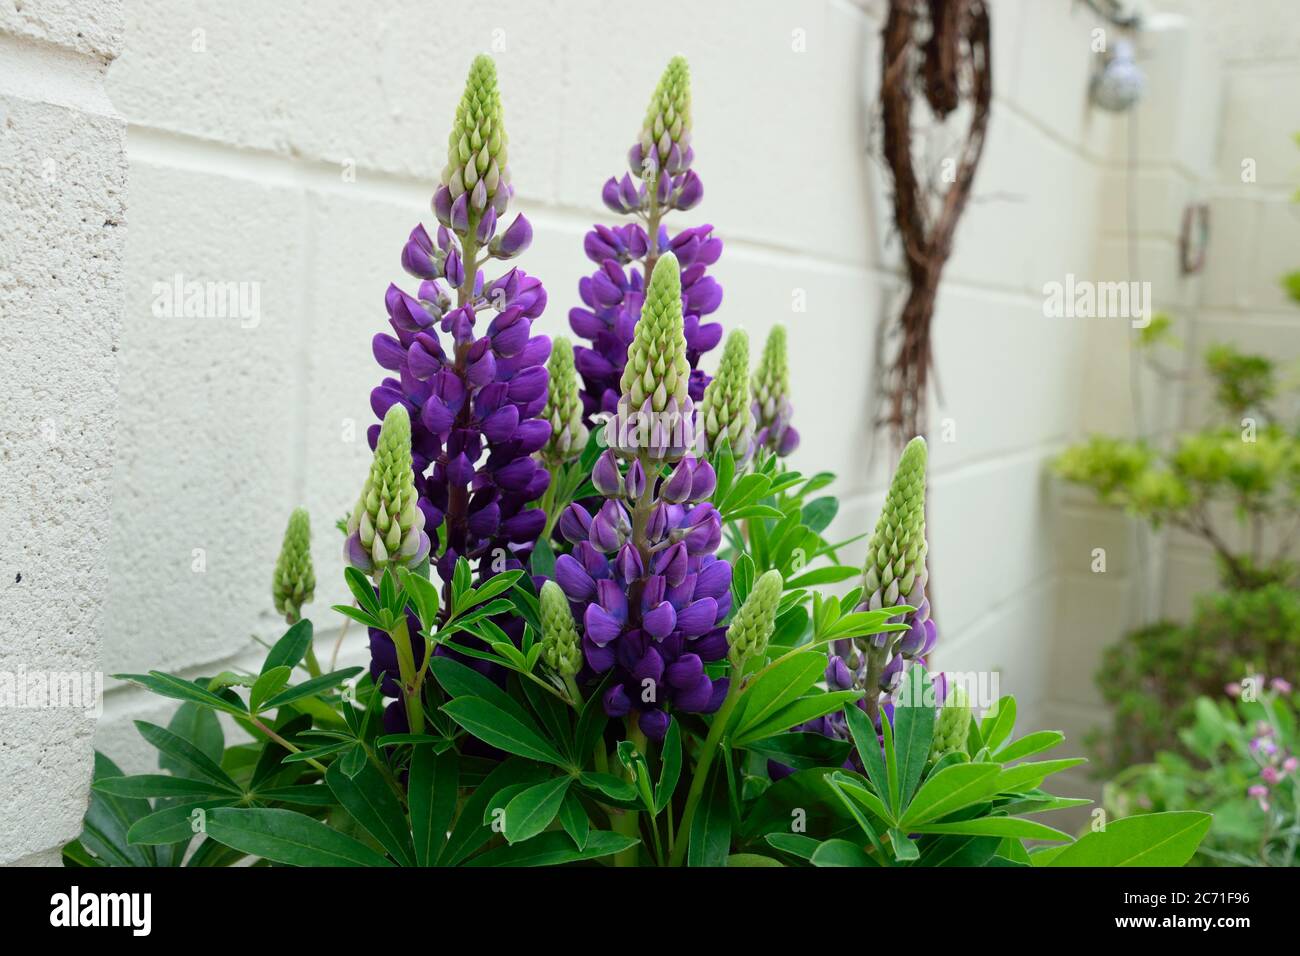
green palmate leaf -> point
(670, 766)
(752, 511)
(460, 680)
(501, 729)
(573, 817)
(192, 761)
(175, 823)
(542, 562)
(200, 726)
(913, 732)
(959, 851)
(107, 820)
(315, 753)
(368, 799)
(437, 744)
(362, 590)
(432, 791)
(468, 833)
(1042, 803)
(284, 836)
(800, 711)
(904, 849)
(1028, 776)
(1029, 745)
(303, 794)
(423, 595)
(868, 747)
(790, 626)
(803, 750)
(361, 617)
(833, 574)
(841, 853)
(147, 785)
(616, 788)
(841, 784)
(554, 713)
(998, 723)
(820, 512)
(851, 791)
(1150, 839)
(710, 834)
(290, 649)
(891, 766)
(951, 789)
(310, 688)
(864, 623)
(531, 811)
(796, 844)
(776, 687)
(268, 684)
(272, 757)
(497, 584)
(995, 826)
(553, 849)
(167, 685)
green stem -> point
(401, 636)
(313, 665)
(283, 743)
(701, 775)
(575, 695)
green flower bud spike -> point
(753, 624)
(294, 583)
(772, 377)
(387, 526)
(951, 725)
(724, 411)
(667, 121)
(560, 648)
(476, 148)
(563, 406)
(895, 565)
(656, 400)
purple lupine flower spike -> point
(466, 365)
(613, 295)
(643, 578)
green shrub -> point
(1239, 763)
(1151, 679)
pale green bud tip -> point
(476, 148)
(725, 410)
(294, 582)
(753, 624)
(563, 405)
(560, 647)
(657, 368)
(952, 724)
(387, 526)
(668, 117)
(895, 567)
(772, 379)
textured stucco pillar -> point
(62, 231)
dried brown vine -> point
(938, 49)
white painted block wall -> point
(62, 226)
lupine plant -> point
(655, 672)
